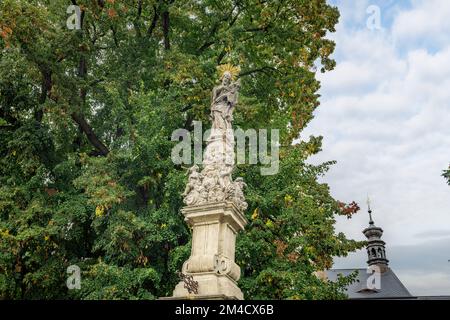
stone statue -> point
(215, 206)
(239, 197)
(224, 99)
(225, 176)
(193, 188)
(214, 183)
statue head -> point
(240, 181)
(228, 72)
(193, 169)
(226, 78)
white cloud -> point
(426, 284)
(354, 13)
(385, 115)
(426, 22)
(385, 118)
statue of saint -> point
(214, 183)
(224, 99)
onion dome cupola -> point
(376, 250)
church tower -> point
(376, 250)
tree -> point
(86, 118)
(446, 175)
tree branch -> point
(154, 21)
(46, 86)
(165, 25)
(91, 136)
(77, 116)
(265, 28)
(263, 70)
(216, 26)
(221, 56)
(136, 23)
(116, 42)
(205, 46)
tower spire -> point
(376, 250)
(369, 211)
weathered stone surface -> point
(214, 207)
(214, 182)
(214, 230)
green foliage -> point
(446, 175)
(109, 282)
(86, 118)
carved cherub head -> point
(240, 182)
(193, 172)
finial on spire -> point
(369, 210)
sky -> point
(385, 119)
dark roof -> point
(390, 286)
(433, 298)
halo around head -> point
(228, 68)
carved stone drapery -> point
(214, 206)
(214, 183)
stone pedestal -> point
(214, 229)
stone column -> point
(214, 229)
(214, 206)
